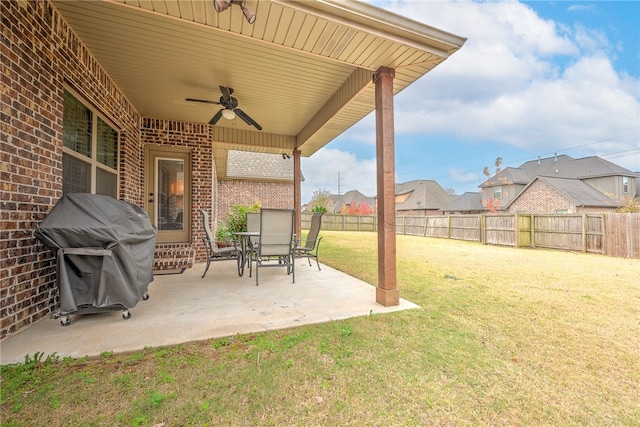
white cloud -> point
(321, 173)
(591, 40)
(582, 8)
(522, 81)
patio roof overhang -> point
(303, 70)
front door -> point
(168, 190)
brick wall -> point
(196, 138)
(540, 198)
(269, 194)
(39, 55)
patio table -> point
(245, 247)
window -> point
(625, 184)
(90, 153)
(497, 192)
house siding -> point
(509, 193)
(40, 55)
(612, 186)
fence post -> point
(533, 231)
(603, 218)
(482, 223)
(426, 226)
(584, 233)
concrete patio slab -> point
(185, 307)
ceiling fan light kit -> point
(222, 5)
(228, 114)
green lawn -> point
(503, 337)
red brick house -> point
(558, 184)
(94, 99)
(590, 183)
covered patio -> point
(306, 71)
(185, 307)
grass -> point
(503, 337)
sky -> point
(533, 79)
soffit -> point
(303, 70)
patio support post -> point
(297, 194)
(387, 293)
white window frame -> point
(497, 192)
(625, 184)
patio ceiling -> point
(303, 70)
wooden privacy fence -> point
(614, 234)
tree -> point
(321, 201)
(629, 205)
(365, 209)
(356, 209)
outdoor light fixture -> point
(228, 114)
(222, 5)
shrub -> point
(235, 221)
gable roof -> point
(578, 192)
(259, 166)
(423, 194)
(349, 198)
(562, 166)
(568, 167)
(469, 201)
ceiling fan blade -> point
(204, 101)
(248, 120)
(217, 117)
(226, 93)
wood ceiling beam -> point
(358, 81)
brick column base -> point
(387, 298)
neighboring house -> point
(421, 197)
(340, 201)
(467, 203)
(589, 183)
(560, 195)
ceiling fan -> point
(230, 108)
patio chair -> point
(253, 225)
(276, 241)
(215, 253)
(312, 242)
